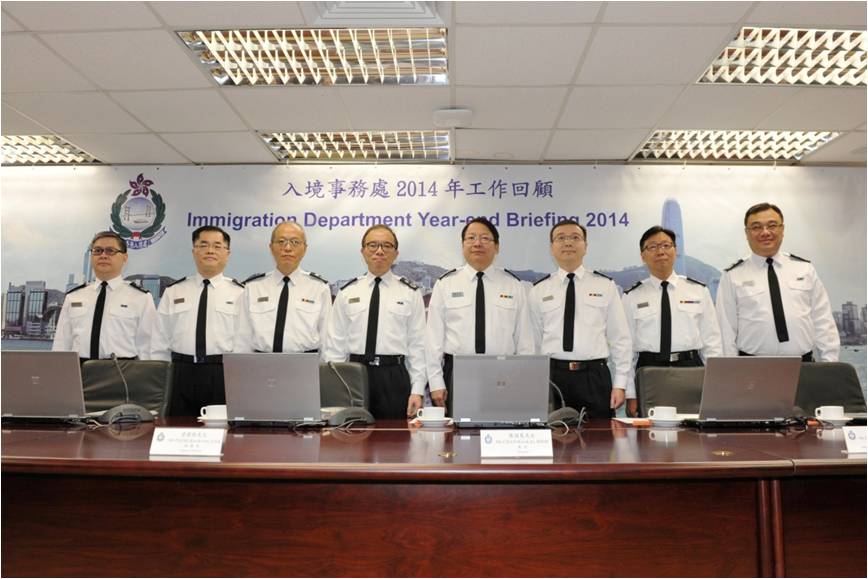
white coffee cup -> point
(213, 412)
(829, 412)
(431, 413)
(663, 413)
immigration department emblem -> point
(138, 214)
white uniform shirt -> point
(309, 301)
(179, 310)
(694, 320)
(451, 325)
(400, 325)
(127, 321)
(600, 327)
(744, 310)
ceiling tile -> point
(303, 108)
(618, 107)
(512, 108)
(675, 12)
(597, 145)
(393, 107)
(526, 12)
(724, 107)
(7, 24)
(80, 112)
(23, 54)
(848, 15)
(41, 16)
(181, 111)
(659, 55)
(213, 15)
(517, 56)
(849, 148)
(242, 147)
(130, 60)
(127, 149)
(500, 145)
(15, 123)
(820, 109)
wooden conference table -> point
(397, 501)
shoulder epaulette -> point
(695, 281)
(735, 265)
(634, 286)
(236, 282)
(138, 287)
(76, 288)
(409, 283)
(253, 277)
(447, 273)
(176, 282)
(542, 279)
(603, 275)
(512, 274)
(315, 276)
(797, 258)
(349, 283)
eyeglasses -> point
(665, 246)
(483, 239)
(772, 226)
(293, 243)
(375, 245)
(109, 251)
(205, 246)
(561, 239)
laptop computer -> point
(500, 391)
(269, 389)
(748, 392)
(41, 386)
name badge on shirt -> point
(179, 300)
(354, 300)
(400, 303)
(76, 305)
(642, 305)
(748, 283)
(262, 299)
(800, 278)
(229, 302)
(548, 298)
(457, 294)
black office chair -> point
(829, 384)
(149, 381)
(334, 392)
(680, 387)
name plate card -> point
(530, 443)
(855, 438)
(188, 441)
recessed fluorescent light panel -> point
(42, 150)
(791, 56)
(333, 56)
(732, 145)
(360, 146)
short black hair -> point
(205, 228)
(763, 207)
(567, 222)
(484, 222)
(652, 231)
(380, 226)
(110, 234)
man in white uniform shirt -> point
(578, 321)
(107, 316)
(671, 317)
(773, 303)
(196, 325)
(378, 320)
(286, 309)
(475, 309)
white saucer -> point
(214, 422)
(665, 422)
(836, 421)
(434, 422)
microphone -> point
(127, 412)
(564, 414)
(349, 414)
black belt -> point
(378, 360)
(809, 357)
(654, 357)
(305, 352)
(575, 365)
(83, 360)
(215, 359)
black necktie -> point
(97, 322)
(201, 319)
(665, 322)
(777, 303)
(281, 317)
(373, 321)
(480, 314)
(570, 313)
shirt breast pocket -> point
(800, 290)
(263, 308)
(690, 307)
(595, 307)
(226, 308)
(401, 310)
(307, 308)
